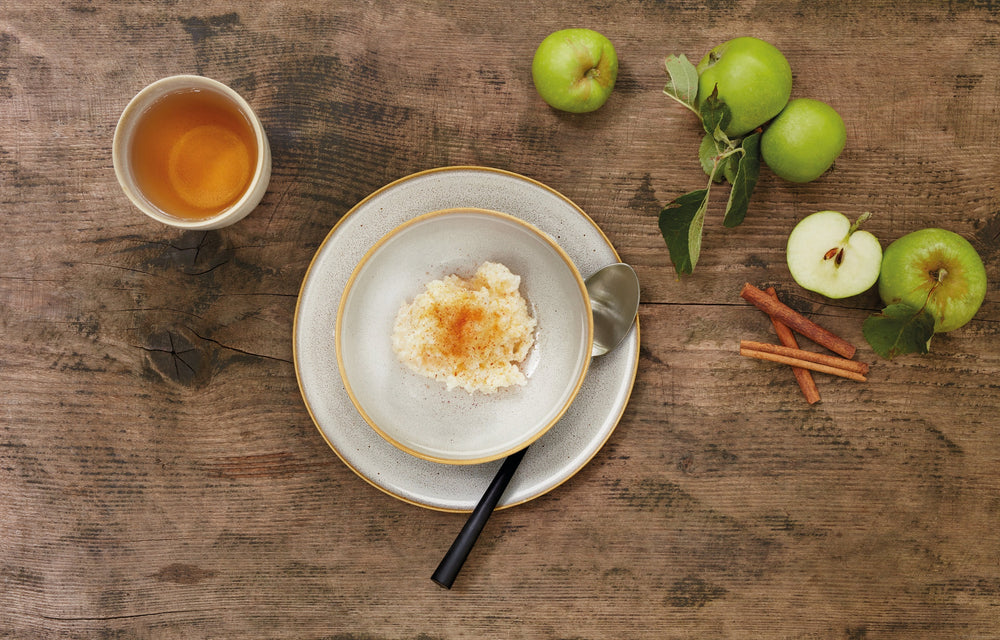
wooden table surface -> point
(160, 476)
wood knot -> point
(194, 253)
(199, 252)
(179, 356)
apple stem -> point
(837, 253)
(939, 274)
(857, 224)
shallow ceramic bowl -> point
(420, 415)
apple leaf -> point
(681, 223)
(709, 154)
(747, 172)
(715, 116)
(730, 168)
(899, 329)
(682, 83)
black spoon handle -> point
(452, 562)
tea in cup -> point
(190, 152)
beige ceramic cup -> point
(134, 111)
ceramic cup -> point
(124, 153)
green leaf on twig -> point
(709, 153)
(715, 116)
(681, 223)
(682, 82)
(747, 172)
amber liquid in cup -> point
(193, 154)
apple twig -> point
(682, 220)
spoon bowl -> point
(614, 303)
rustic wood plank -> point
(161, 478)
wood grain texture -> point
(161, 478)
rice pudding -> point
(469, 333)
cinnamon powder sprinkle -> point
(469, 333)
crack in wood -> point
(240, 351)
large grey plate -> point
(551, 460)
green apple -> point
(829, 255)
(753, 78)
(575, 70)
(804, 140)
(937, 270)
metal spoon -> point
(614, 302)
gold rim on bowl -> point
(581, 376)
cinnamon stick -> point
(805, 364)
(796, 321)
(809, 356)
(787, 338)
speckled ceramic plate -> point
(422, 416)
(552, 459)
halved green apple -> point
(829, 255)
